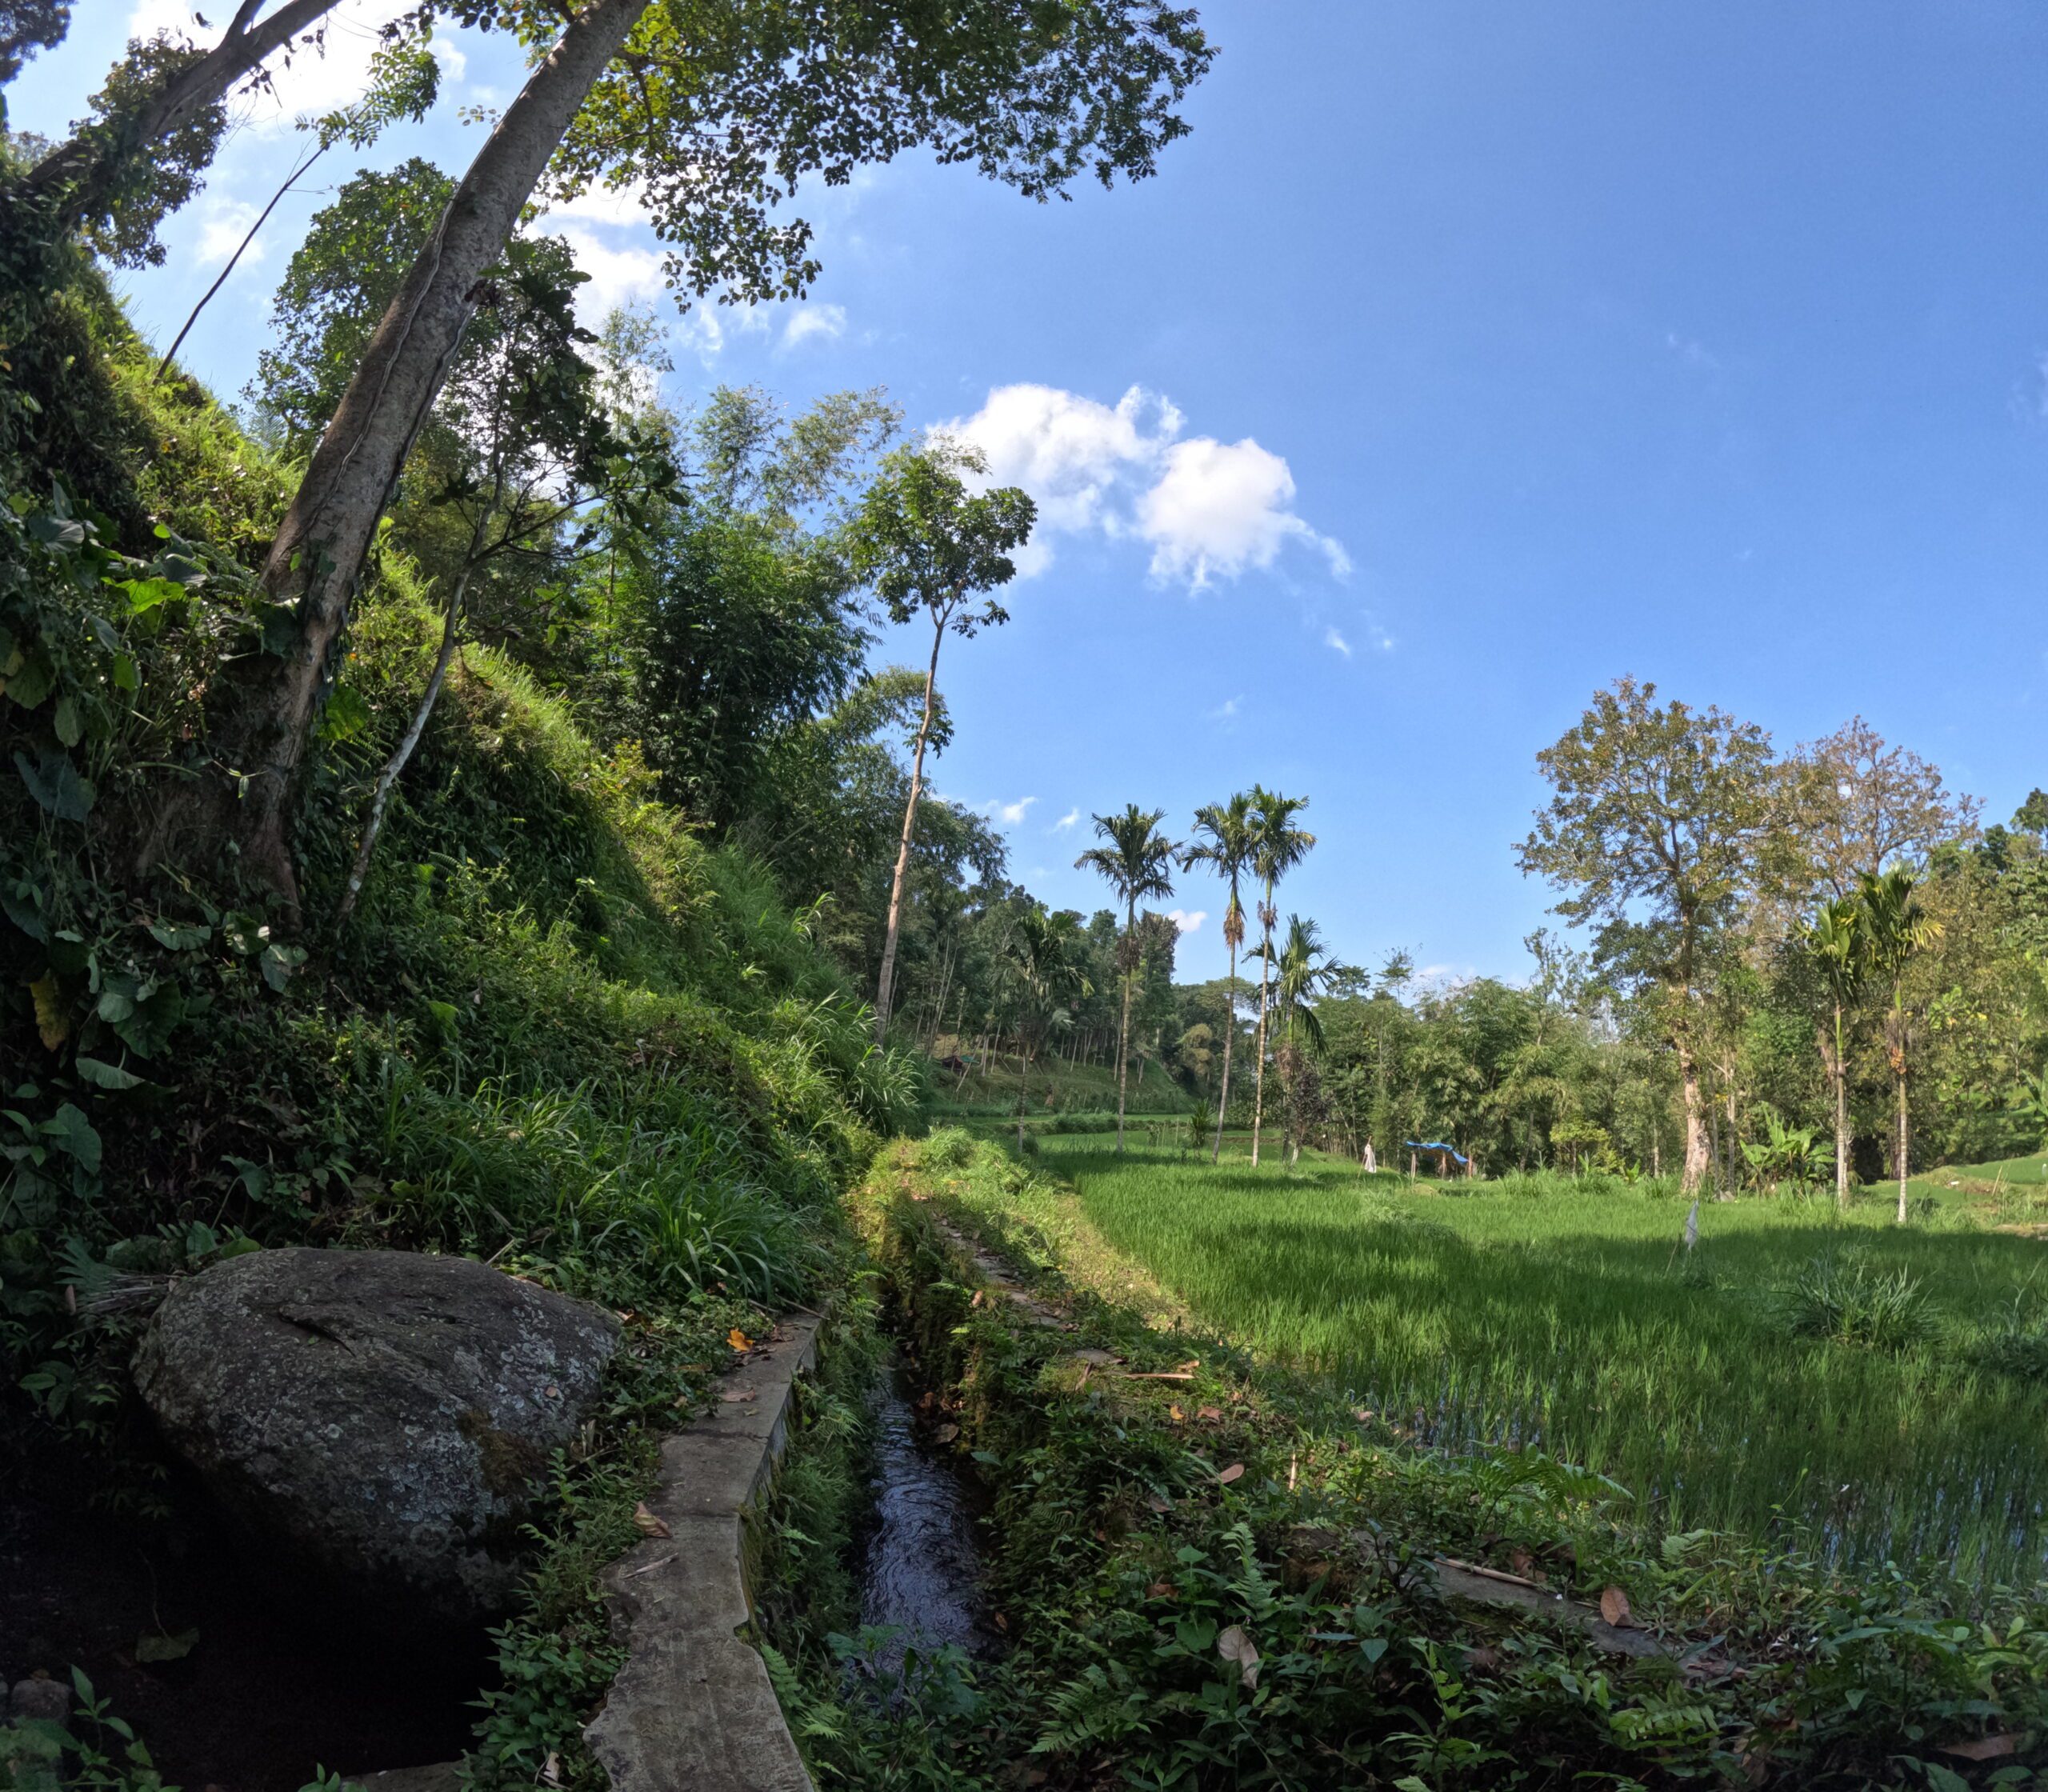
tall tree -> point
(1226, 829)
(1899, 928)
(1839, 941)
(1653, 833)
(1305, 973)
(1045, 956)
(1864, 806)
(926, 543)
(1279, 845)
(1137, 864)
(715, 117)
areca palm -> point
(1138, 862)
(1898, 929)
(1840, 943)
(1043, 956)
(1226, 829)
(1279, 845)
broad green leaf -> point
(103, 1075)
(56, 785)
(74, 1135)
(70, 729)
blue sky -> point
(1464, 359)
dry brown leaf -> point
(1231, 1473)
(738, 1339)
(1985, 1748)
(1236, 1647)
(1175, 1413)
(1614, 1608)
(1524, 1564)
(1485, 1657)
(751, 1393)
(1209, 1415)
(1161, 1589)
(647, 1524)
(1158, 1503)
(945, 1433)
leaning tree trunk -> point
(75, 177)
(1230, 1033)
(1840, 1069)
(885, 986)
(316, 559)
(1898, 1072)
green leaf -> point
(125, 677)
(279, 962)
(55, 784)
(176, 936)
(54, 532)
(21, 902)
(34, 681)
(103, 1075)
(70, 729)
(346, 716)
(145, 595)
(166, 1648)
(280, 623)
(75, 1136)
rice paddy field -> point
(1869, 1391)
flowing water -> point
(921, 1577)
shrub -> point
(1850, 1303)
(950, 1148)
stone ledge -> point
(693, 1710)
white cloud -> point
(1209, 510)
(226, 223)
(617, 275)
(1068, 820)
(1219, 508)
(601, 205)
(1331, 638)
(1226, 710)
(825, 322)
(1189, 921)
(1012, 813)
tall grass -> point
(1793, 1371)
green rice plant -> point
(1846, 1301)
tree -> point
(157, 122)
(715, 117)
(1044, 955)
(1306, 973)
(1226, 844)
(1864, 806)
(1652, 832)
(1898, 929)
(926, 544)
(26, 26)
(1278, 847)
(520, 444)
(1839, 942)
(1137, 864)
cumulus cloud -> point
(1209, 510)
(620, 273)
(1189, 921)
(1072, 817)
(1336, 642)
(1011, 813)
(820, 322)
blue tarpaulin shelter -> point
(1434, 1144)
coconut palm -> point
(1138, 862)
(1043, 956)
(1898, 929)
(1278, 847)
(1840, 944)
(1226, 829)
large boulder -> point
(379, 1416)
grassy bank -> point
(1733, 1385)
(1208, 1582)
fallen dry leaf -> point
(1614, 1608)
(1485, 1657)
(1159, 1502)
(1209, 1415)
(1985, 1748)
(1161, 1589)
(551, 1770)
(1234, 1645)
(1175, 1413)
(945, 1433)
(751, 1393)
(1231, 1473)
(1524, 1564)
(738, 1339)
(647, 1524)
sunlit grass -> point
(1570, 1315)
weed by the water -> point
(1846, 1301)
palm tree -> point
(1138, 862)
(1228, 844)
(1278, 847)
(1898, 928)
(1043, 955)
(1304, 972)
(1840, 944)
